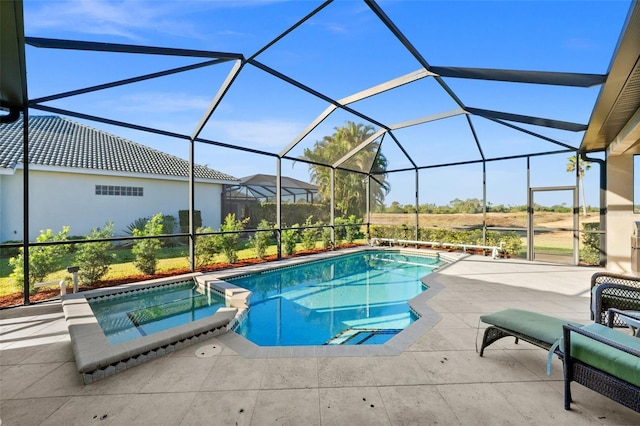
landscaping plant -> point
(308, 236)
(146, 250)
(289, 240)
(260, 240)
(43, 260)
(94, 259)
(206, 247)
(352, 229)
(228, 243)
(326, 237)
(138, 224)
(590, 251)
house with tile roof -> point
(83, 177)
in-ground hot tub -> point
(110, 339)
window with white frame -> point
(128, 191)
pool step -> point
(359, 336)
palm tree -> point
(350, 187)
(583, 166)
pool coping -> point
(96, 358)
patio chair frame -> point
(593, 378)
(611, 290)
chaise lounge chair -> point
(596, 356)
(538, 329)
(602, 359)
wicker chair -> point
(609, 290)
(603, 360)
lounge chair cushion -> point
(539, 326)
(606, 358)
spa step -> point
(358, 336)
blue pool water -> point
(355, 299)
(144, 312)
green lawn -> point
(554, 250)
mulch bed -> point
(16, 299)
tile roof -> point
(58, 141)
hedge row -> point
(291, 213)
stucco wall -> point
(620, 217)
(58, 199)
(11, 207)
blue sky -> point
(341, 51)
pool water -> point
(132, 315)
(354, 299)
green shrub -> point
(260, 240)
(168, 224)
(590, 251)
(289, 240)
(146, 251)
(308, 236)
(43, 260)
(326, 237)
(352, 229)
(512, 244)
(228, 243)
(340, 232)
(206, 247)
(94, 259)
(137, 224)
(169, 227)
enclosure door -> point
(552, 233)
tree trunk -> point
(584, 199)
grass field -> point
(500, 220)
(544, 241)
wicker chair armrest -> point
(568, 328)
(609, 277)
(631, 314)
(624, 292)
(604, 277)
(630, 318)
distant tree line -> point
(471, 206)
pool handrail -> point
(495, 250)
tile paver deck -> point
(439, 378)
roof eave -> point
(13, 78)
(619, 98)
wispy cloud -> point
(161, 102)
(120, 18)
(265, 133)
(335, 28)
(126, 18)
(578, 43)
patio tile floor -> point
(438, 379)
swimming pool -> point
(97, 358)
(361, 298)
(153, 310)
